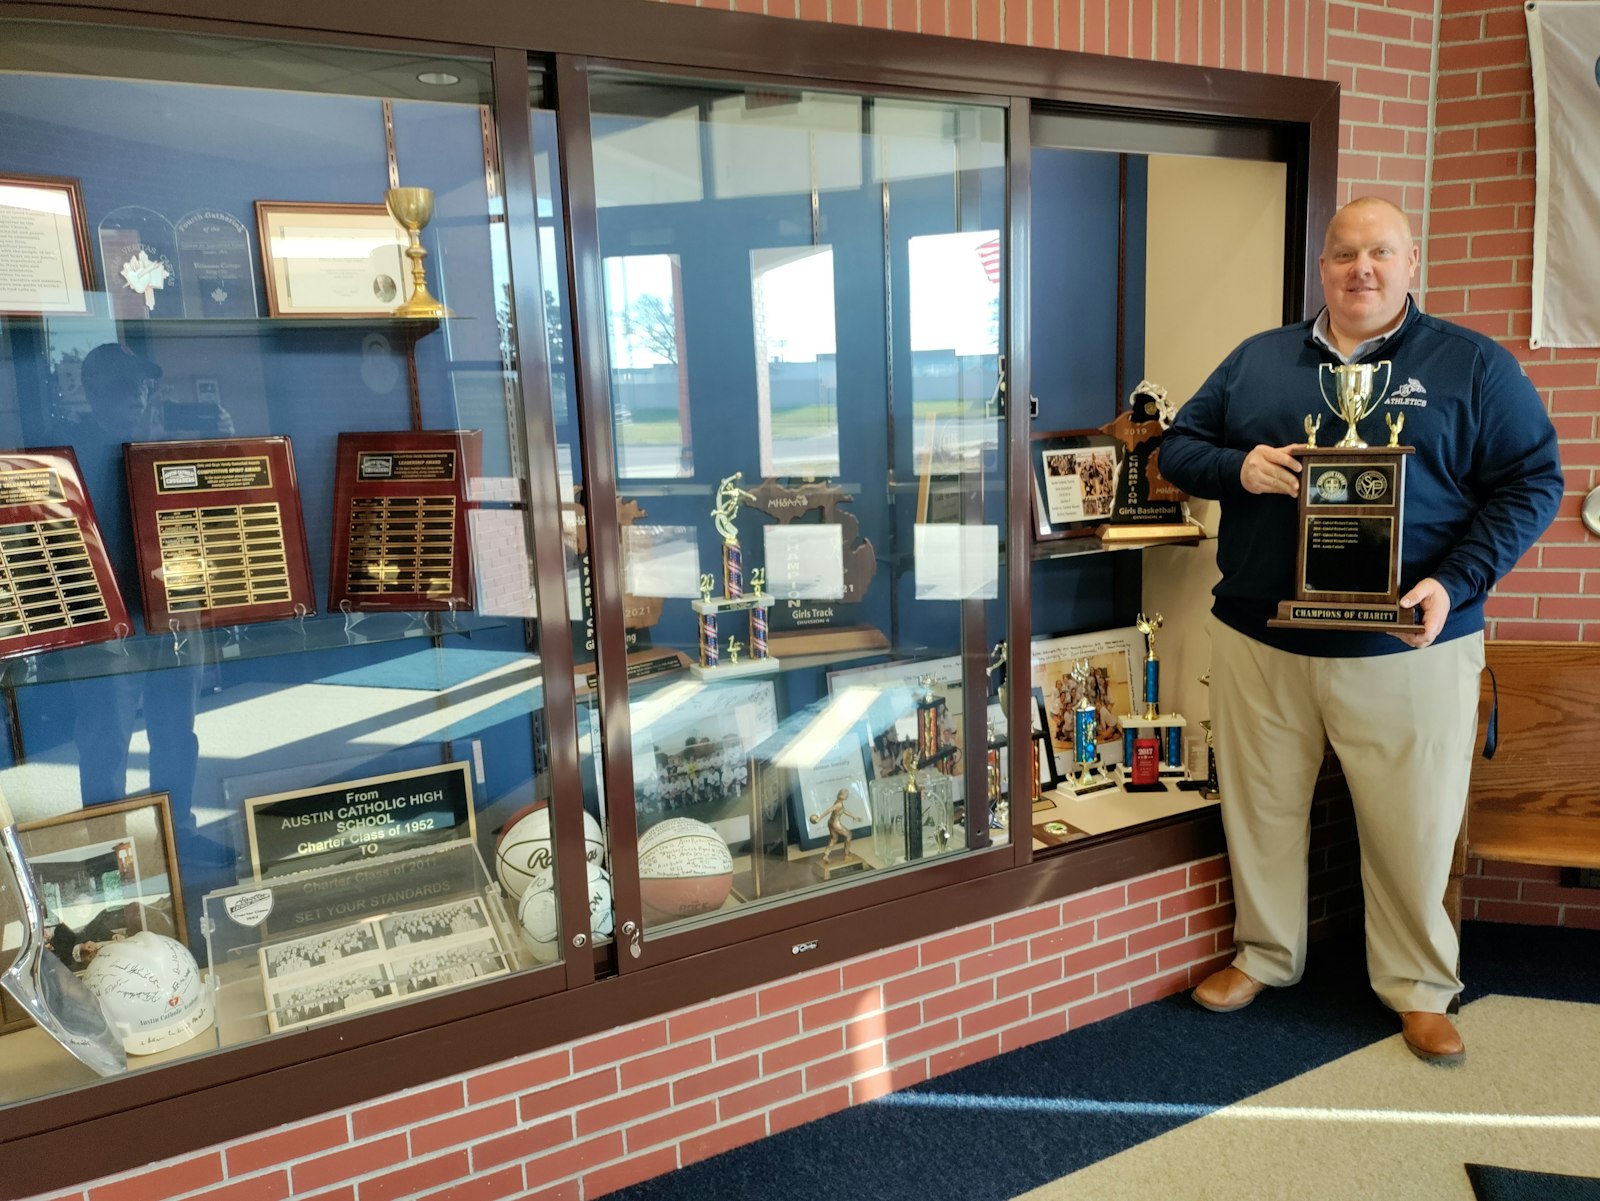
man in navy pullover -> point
(1400, 710)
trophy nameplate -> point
(218, 532)
(57, 588)
(1351, 513)
(400, 537)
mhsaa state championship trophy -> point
(1351, 514)
(719, 658)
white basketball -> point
(540, 918)
(684, 868)
(541, 924)
(522, 857)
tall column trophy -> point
(733, 600)
(1152, 742)
(1085, 738)
(1351, 514)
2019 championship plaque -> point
(218, 531)
(400, 538)
(57, 588)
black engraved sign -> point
(359, 819)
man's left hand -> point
(1435, 602)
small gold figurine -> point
(733, 650)
(1313, 424)
(729, 494)
(1148, 627)
(758, 580)
(838, 832)
(706, 585)
(1396, 423)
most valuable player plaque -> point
(218, 530)
(57, 588)
(400, 537)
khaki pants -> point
(1403, 727)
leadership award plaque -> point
(218, 531)
(400, 537)
(57, 588)
(1351, 514)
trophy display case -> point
(274, 398)
(498, 634)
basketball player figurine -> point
(838, 836)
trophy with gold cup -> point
(413, 208)
(1351, 514)
(733, 602)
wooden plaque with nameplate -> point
(57, 588)
(219, 533)
(400, 536)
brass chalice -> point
(413, 208)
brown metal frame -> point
(153, 1114)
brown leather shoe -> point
(1227, 990)
(1431, 1037)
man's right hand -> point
(1270, 469)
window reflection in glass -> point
(649, 372)
(797, 385)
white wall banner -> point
(1564, 40)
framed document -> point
(354, 820)
(103, 872)
(400, 538)
(46, 268)
(1074, 480)
(332, 260)
(838, 774)
(218, 532)
(57, 588)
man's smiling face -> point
(1368, 264)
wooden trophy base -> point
(827, 640)
(641, 665)
(1126, 535)
(827, 869)
(1319, 615)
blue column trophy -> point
(1152, 743)
(1085, 735)
(733, 600)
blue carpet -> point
(995, 1129)
(1508, 1184)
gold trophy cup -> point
(1356, 396)
(413, 208)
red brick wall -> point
(1528, 894)
(619, 1107)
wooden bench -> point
(1538, 800)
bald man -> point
(1400, 710)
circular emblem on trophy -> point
(1332, 486)
(1371, 485)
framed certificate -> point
(332, 260)
(46, 268)
(400, 538)
(57, 588)
(218, 531)
(1074, 481)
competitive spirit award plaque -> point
(57, 588)
(400, 538)
(218, 531)
(1351, 514)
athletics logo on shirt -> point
(1409, 393)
